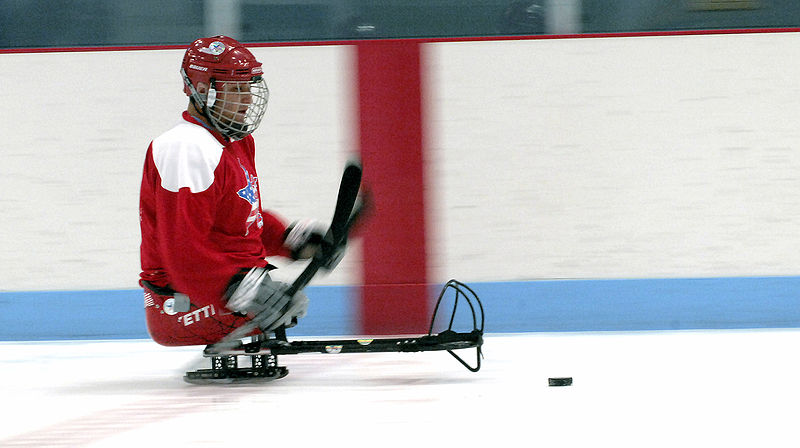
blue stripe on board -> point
(552, 305)
(119, 314)
(646, 304)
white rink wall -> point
(616, 157)
(634, 157)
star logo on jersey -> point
(250, 194)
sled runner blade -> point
(206, 377)
(225, 369)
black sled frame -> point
(261, 353)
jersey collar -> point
(191, 119)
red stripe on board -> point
(420, 40)
(394, 297)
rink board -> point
(531, 306)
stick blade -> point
(346, 200)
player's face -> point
(233, 100)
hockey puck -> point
(566, 381)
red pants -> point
(201, 325)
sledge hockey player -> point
(205, 237)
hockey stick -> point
(344, 216)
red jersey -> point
(200, 212)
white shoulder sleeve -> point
(186, 156)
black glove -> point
(306, 239)
(303, 238)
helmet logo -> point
(215, 48)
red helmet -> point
(223, 59)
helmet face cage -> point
(236, 108)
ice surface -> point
(640, 389)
